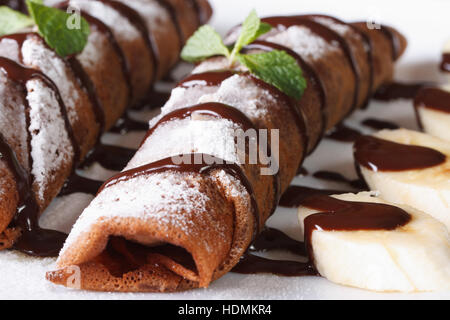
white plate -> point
(424, 23)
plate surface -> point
(426, 26)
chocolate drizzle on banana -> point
(34, 240)
(338, 215)
(382, 155)
(334, 215)
(433, 98)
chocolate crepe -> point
(170, 225)
(53, 110)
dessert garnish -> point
(66, 33)
(276, 67)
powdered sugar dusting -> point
(91, 55)
(304, 42)
(237, 91)
(123, 30)
(50, 143)
(242, 93)
(341, 28)
(182, 97)
(166, 197)
(214, 137)
(37, 55)
(9, 49)
(235, 188)
(155, 16)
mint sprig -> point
(66, 33)
(12, 21)
(205, 43)
(276, 67)
(252, 29)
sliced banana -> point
(427, 190)
(435, 121)
(414, 257)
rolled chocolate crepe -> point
(186, 208)
(53, 109)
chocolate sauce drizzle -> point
(272, 239)
(251, 264)
(198, 163)
(125, 125)
(215, 78)
(325, 33)
(433, 98)
(378, 124)
(339, 215)
(108, 156)
(217, 110)
(34, 240)
(367, 44)
(138, 22)
(334, 215)
(85, 80)
(212, 109)
(288, 268)
(154, 99)
(398, 90)
(77, 183)
(367, 47)
(295, 195)
(393, 40)
(206, 79)
(343, 133)
(302, 171)
(313, 80)
(173, 15)
(382, 155)
(358, 184)
(445, 64)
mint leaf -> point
(263, 29)
(204, 43)
(252, 28)
(66, 33)
(12, 21)
(278, 69)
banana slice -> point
(433, 111)
(426, 189)
(412, 257)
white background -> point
(426, 24)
